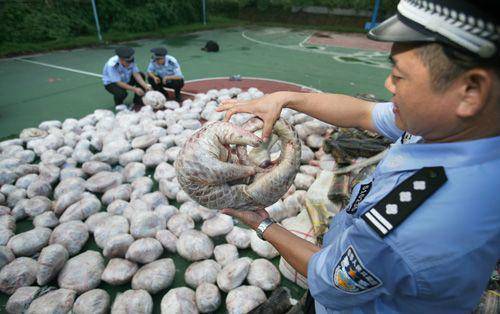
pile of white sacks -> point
(85, 178)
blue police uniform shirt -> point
(440, 258)
(171, 67)
(114, 71)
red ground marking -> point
(264, 85)
(357, 41)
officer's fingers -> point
(249, 218)
(267, 129)
(230, 103)
(226, 104)
(231, 212)
(230, 113)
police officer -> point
(120, 74)
(422, 234)
(165, 71)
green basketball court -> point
(65, 84)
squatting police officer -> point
(422, 234)
(120, 74)
(165, 71)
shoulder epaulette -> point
(396, 206)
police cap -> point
(159, 52)
(126, 53)
(469, 26)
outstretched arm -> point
(337, 109)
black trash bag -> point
(211, 46)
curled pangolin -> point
(211, 173)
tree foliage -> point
(232, 6)
(47, 20)
(38, 21)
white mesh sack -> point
(301, 226)
(154, 99)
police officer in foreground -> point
(165, 71)
(422, 234)
(120, 74)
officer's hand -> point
(267, 108)
(139, 91)
(157, 80)
(248, 217)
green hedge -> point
(41, 21)
(237, 7)
(386, 5)
(48, 20)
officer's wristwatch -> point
(264, 224)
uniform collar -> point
(130, 66)
(160, 65)
(403, 157)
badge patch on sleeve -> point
(351, 276)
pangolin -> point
(214, 169)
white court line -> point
(259, 79)
(169, 89)
(83, 72)
(291, 47)
(59, 67)
(336, 55)
(305, 40)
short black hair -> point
(445, 64)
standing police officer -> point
(165, 71)
(422, 234)
(120, 74)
